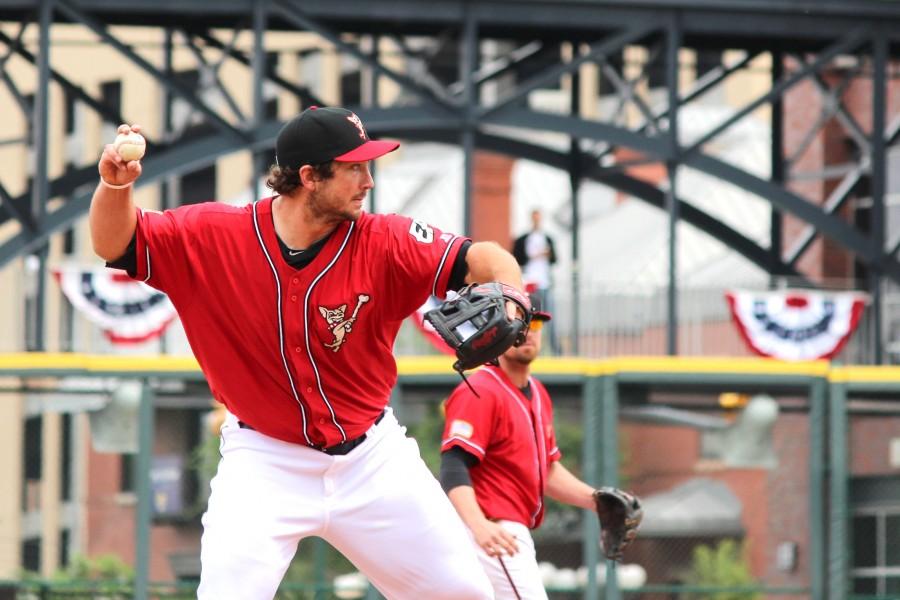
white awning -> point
(697, 508)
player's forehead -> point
(346, 166)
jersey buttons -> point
(309, 390)
(297, 349)
(294, 298)
(295, 280)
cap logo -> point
(358, 124)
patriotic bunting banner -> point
(796, 324)
(127, 311)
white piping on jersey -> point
(280, 324)
(539, 438)
(441, 265)
(146, 252)
(464, 441)
(306, 329)
(537, 452)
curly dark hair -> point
(283, 180)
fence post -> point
(591, 400)
(817, 521)
(838, 493)
(609, 422)
(144, 513)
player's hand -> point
(113, 169)
(514, 311)
(494, 539)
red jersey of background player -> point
(512, 469)
(281, 347)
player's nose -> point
(368, 181)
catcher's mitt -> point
(476, 325)
(620, 515)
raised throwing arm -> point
(112, 217)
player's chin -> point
(524, 354)
(353, 214)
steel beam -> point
(468, 63)
(306, 97)
(849, 42)
(673, 207)
(294, 13)
(171, 85)
(552, 74)
(878, 183)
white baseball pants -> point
(519, 571)
(379, 506)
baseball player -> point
(291, 306)
(499, 458)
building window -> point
(31, 554)
(31, 499)
(199, 186)
(64, 541)
(111, 97)
(66, 458)
(876, 551)
(126, 475)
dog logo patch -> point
(338, 325)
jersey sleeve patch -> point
(461, 428)
(421, 231)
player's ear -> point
(308, 177)
(323, 312)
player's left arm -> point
(563, 486)
(487, 261)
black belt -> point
(338, 449)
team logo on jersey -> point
(358, 124)
(461, 428)
(337, 324)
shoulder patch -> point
(421, 231)
(461, 428)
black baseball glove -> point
(476, 325)
(620, 515)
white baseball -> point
(130, 146)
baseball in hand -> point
(130, 146)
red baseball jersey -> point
(513, 439)
(305, 355)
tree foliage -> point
(722, 566)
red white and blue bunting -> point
(127, 311)
(796, 324)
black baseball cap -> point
(319, 135)
(537, 308)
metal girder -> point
(293, 12)
(186, 157)
(551, 75)
(171, 85)
(100, 108)
(849, 42)
(827, 30)
(172, 161)
(306, 97)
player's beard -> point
(331, 209)
(523, 355)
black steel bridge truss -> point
(441, 45)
